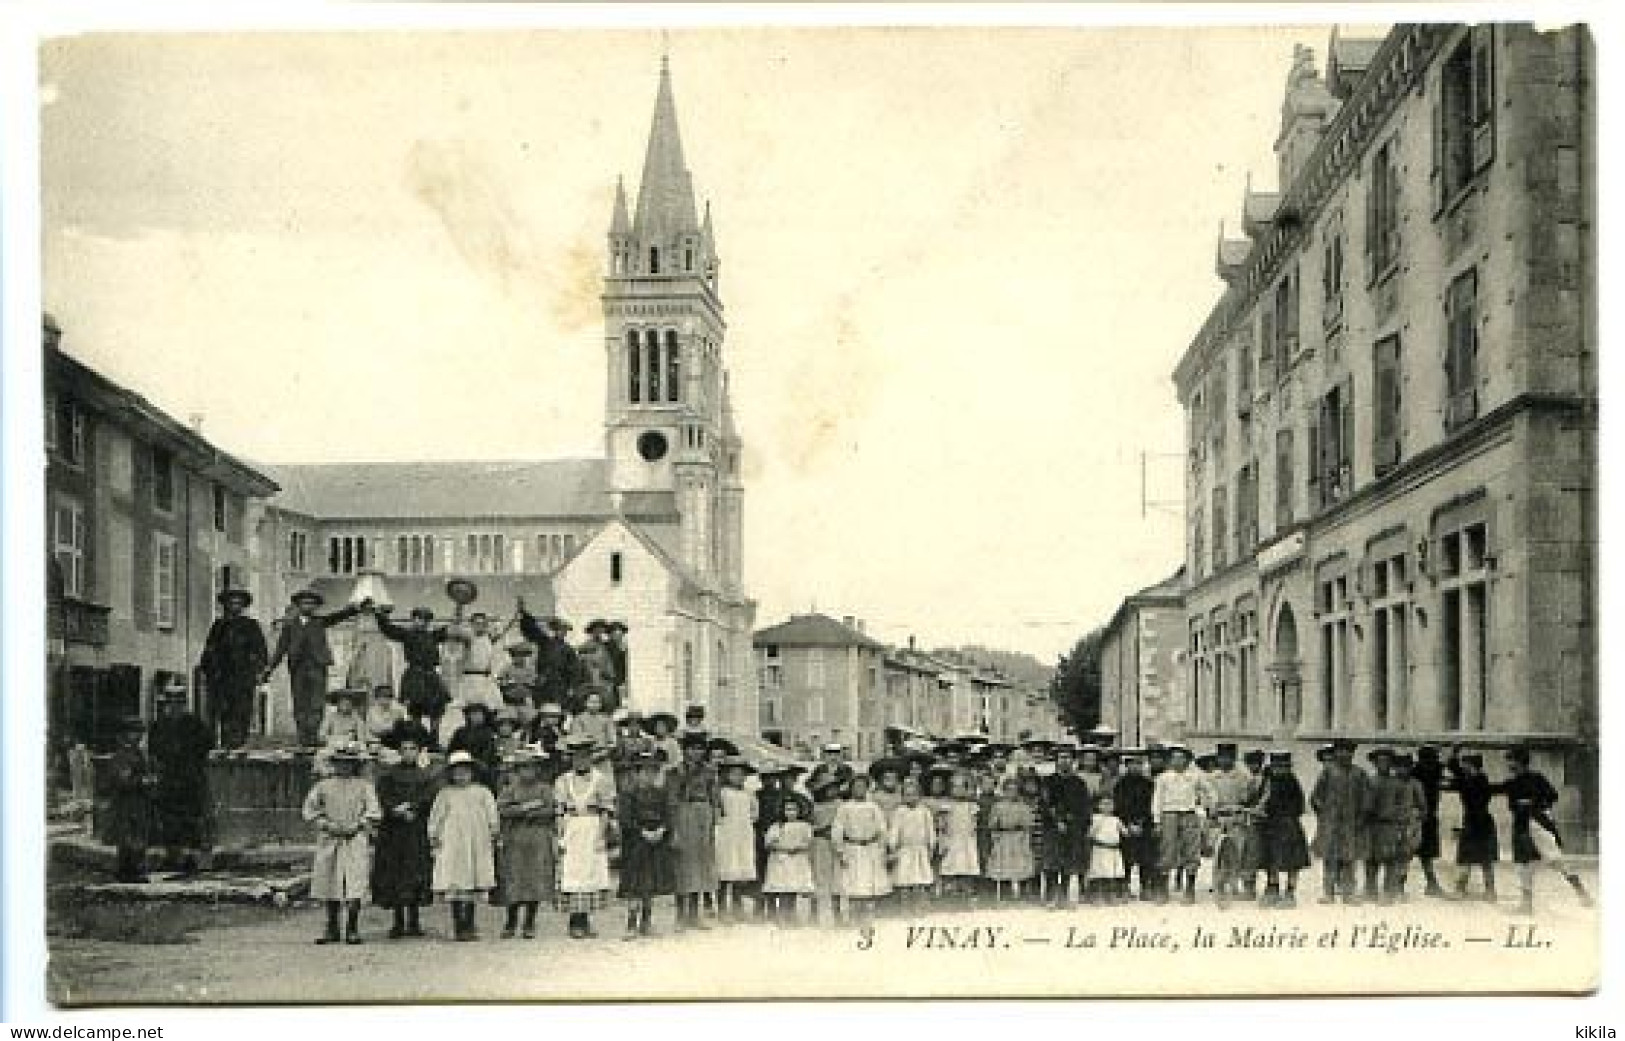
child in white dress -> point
(735, 837)
(1107, 882)
(859, 836)
(911, 841)
(789, 872)
(961, 863)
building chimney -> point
(863, 627)
(911, 641)
(195, 421)
(849, 621)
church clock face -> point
(652, 446)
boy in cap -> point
(344, 808)
(234, 657)
(302, 643)
(1535, 838)
(1178, 803)
(1342, 801)
(129, 803)
(517, 680)
(1230, 785)
(1429, 773)
(1132, 795)
(1393, 801)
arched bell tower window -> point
(654, 260)
(634, 368)
(674, 367)
(651, 347)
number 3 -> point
(866, 937)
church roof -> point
(666, 192)
(557, 488)
(815, 630)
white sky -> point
(959, 267)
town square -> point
(791, 513)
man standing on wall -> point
(233, 660)
(303, 644)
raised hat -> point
(459, 758)
(307, 595)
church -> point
(651, 534)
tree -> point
(1076, 686)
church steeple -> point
(665, 210)
(620, 223)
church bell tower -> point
(668, 423)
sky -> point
(959, 267)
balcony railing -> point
(80, 622)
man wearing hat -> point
(1393, 802)
(662, 728)
(179, 744)
(616, 647)
(518, 681)
(1065, 814)
(559, 672)
(233, 659)
(1342, 801)
(832, 766)
(594, 655)
(302, 643)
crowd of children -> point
(575, 809)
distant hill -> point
(1021, 667)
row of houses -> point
(1391, 422)
(821, 680)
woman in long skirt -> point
(859, 834)
(646, 849)
(402, 863)
(528, 871)
(586, 808)
(1479, 843)
(695, 798)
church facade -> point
(650, 534)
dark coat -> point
(234, 655)
(1479, 842)
(1531, 798)
(179, 748)
(303, 641)
(1067, 806)
(1282, 845)
(559, 672)
(401, 863)
(1342, 805)
(129, 804)
(648, 866)
(1431, 776)
(423, 692)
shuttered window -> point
(1382, 213)
(1386, 436)
(1461, 350)
(1283, 479)
(1464, 115)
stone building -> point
(147, 522)
(819, 681)
(650, 534)
(1391, 411)
(1142, 676)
